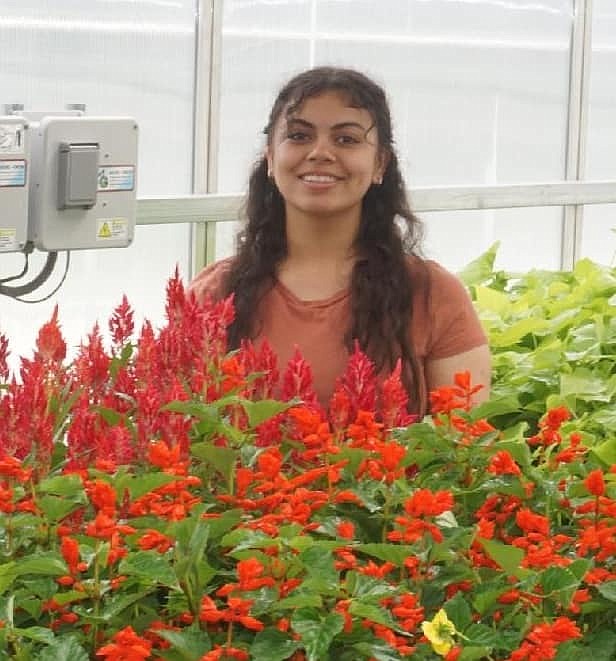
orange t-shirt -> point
(446, 326)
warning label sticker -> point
(112, 229)
(8, 238)
(113, 178)
(11, 138)
(12, 174)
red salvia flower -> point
(595, 482)
(225, 652)
(346, 529)
(13, 467)
(126, 646)
(502, 463)
(428, 503)
(530, 522)
(153, 539)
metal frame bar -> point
(577, 126)
(206, 123)
(211, 209)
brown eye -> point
(297, 136)
(347, 140)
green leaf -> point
(494, 301)
(65, 648)
(362, 587)
(149, 565)
(39, 634)
(317, 631)
(582, 384)
(560, 583)
(496, 406)
(262, 410)
(480, 269)
(299, 600)
(579, 568)
(480, 634)
(272, 645)
(608, 590)
(110, 416)
(395, 553)
(484, 597)
(119, 603)
(56, 507)
(67, 486)
(47, 564)
(188, 644)
(319, 562)
(516, 331)
(602, 646)
(507, 557)
(606, 452)
(142, 484)
(8, 573)
(377, 650)
(373, 613)
(474, 653)
(224, 523)
(458, 611)
(221, 458)
(69, 597)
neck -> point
(320, 256)
(320, 239)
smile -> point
(319, 178)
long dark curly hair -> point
(382, 291)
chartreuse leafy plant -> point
(164, 499)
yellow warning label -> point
(104, 231)
(112, 229)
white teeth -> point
(318, 178)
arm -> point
(458, 341)
(440, 371)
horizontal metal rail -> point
(224, 208)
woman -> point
(329, 253)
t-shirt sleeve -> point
(455, 326)
(210, 281)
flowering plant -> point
(157, 502)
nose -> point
(321, 150)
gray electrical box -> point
(14, 183)
(83, 183)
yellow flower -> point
(440, 633)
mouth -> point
(319, 178)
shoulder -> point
(451, 322)
(433, 279)
(211, 281)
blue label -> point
(116, 178)
(12, 174)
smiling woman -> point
(330, 252)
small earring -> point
(377, 180)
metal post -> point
(577, 129)
(206, 116)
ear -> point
(382, 161)
(267, 153)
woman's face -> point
(324, 156)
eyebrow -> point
(341, 125)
